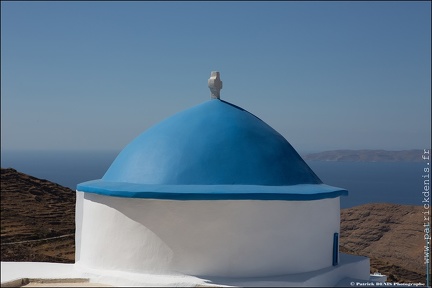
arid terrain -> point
(38, 222)
(33, 209)
(390, 235)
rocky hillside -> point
(33, 209)
(37, 224)
(390, 235)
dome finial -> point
(215, 84)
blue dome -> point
(212, 143)
(214, 148)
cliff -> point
(391, 235)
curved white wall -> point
(241, 238)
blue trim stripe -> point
(298, 192)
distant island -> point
(413, 155)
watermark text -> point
(426, 203)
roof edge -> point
(299, 192)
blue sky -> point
(326, 75)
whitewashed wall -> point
(241, 238)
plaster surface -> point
(298, 192)
(215, 85)
(214, 143)
(213, 151)
(15, 270)
(239, 238)
(351, 268)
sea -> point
(366, 182)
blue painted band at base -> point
(298, 192)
